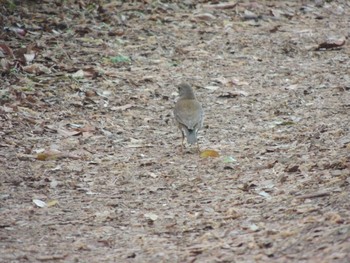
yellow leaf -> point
(52, 203)
(49, 155)
(209, 153)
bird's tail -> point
(191, 136)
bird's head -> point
(186, 91)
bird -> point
(188, 113)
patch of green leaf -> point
(120, 59)
(10, 4)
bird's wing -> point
(189, 113)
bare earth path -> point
(90, 163)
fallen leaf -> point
(21, 32)
(331, 44)
(264, 194)
(5, 51)
(230, 95)
(292, 169)
(49, 155)
(334, 218)
(36, 69)
(52, 203)
(151, 216)
(5, 65)
(79, 74)
(254, 227)
(209, 153)
(153, 175)
(212, 88)
(68, 133)
(229, 159)
(39, 203)
(119, 59)
(29, 57)
(248, 15)
(205, 16)
(221, 6)
(123, 107)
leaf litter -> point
(86, 98)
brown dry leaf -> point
(123, 107)
(204, 16)
(331, 44)
(90, 93)
(48, 258)
(49, 155)
(5, 65)
(68, 133)
(275, 29)
(139, 145)
(209, 153)
(55, 154)
(86, 129)
(232, 213)
(28, 112)
(5, 51)
(229, 5)
(232, 94)
(288, 233)
(90, 72)
(334, 218)
(36, 69)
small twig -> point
(315, 195)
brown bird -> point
(188, 114)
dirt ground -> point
(91, 167)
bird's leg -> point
(197, 143)
(182, 142)
(198, 150)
